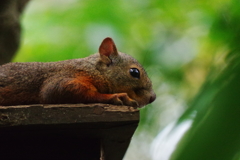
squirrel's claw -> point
(115, 100)
(124, 99)
(135, 104)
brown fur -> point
(100, 78)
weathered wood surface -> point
(75, 131)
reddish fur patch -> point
(10, 96)
(85, 92)
(82, 84)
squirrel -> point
(108, 77)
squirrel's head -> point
(125, 74)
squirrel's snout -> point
(152, 98)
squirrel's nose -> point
(152, 98)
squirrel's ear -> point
(107, 50)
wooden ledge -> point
(66, 131)
(65, 114)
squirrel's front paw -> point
(123, 99)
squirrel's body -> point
(100, 78)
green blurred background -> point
(183, 46)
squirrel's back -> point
(37, 72)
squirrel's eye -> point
(135, 73)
